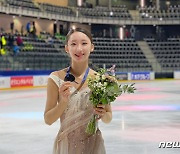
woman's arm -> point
(55, 109)
(107, 117)
(104, 112)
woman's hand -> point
(64, 91)
(100, 111)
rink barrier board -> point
(23, 81)
(176, 74)
(12, 79)
(28, 81)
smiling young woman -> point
(70, 102)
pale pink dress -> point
(72, 138)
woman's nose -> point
(80, 48)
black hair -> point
(72, 30)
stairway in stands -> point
(149, 56)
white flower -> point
(104, 91)
(105, 84)
(99, 85)
(98, 77)
(103, 77)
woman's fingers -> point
(64, 90)
(65, 86)
(100, 111)
(101, 106)
(66, 94)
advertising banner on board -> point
(176, 74)
(4, 82)
(122, 75)
(40, 80)
(142, 76)
(21, 81)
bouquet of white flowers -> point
(104, 90)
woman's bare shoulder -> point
(60, 73)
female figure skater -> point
(69, 101)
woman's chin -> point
(79, 60)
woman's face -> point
(79, 47)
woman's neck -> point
(78, 69)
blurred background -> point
(134, 35)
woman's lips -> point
(79, 55)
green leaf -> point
(104, 100)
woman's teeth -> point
(79, 55)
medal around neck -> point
(70, 77)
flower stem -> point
(91, 127)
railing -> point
(96, 20)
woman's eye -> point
(73, 44)
(84, 43)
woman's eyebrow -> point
(73, 40)
(77, 40)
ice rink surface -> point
(140, 121)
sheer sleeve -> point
(56, 79)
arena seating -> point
(114, 12)
(125, 54)
(56, 9)
(167, 52)
(5, 63)
(27, 4)
(36, 54)
(148, 13)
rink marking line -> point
(146, 108)
(40, 115)
(140, 97)
(22, 88)
(24, 115)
